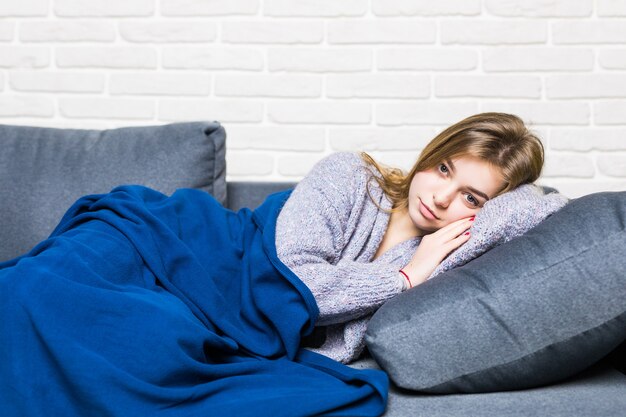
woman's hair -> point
(502, 140)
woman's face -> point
(452, 190)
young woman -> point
(146, 304)
(357, 233)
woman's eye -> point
(472, 200)
(443, 168)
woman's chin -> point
(423, 227)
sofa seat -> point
(596, 392)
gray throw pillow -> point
(44, 170)
(530, 312)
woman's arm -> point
(313, 230)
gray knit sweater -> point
(329, 230)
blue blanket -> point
(140, 304)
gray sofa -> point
(44, 170)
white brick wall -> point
(293, 80)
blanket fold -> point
(148, 305)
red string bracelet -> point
(407, 278)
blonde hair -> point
(502, 140)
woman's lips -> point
(427, 212)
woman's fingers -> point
(454, 229)
(458, 241)
(436, 246)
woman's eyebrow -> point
(472, 189)
(480, 193)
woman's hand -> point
(435, 247)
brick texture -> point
(24, 8)
(112, 8)
(293, 81)
(540, 8)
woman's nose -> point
(440, 202)
(442, 198)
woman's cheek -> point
(461, 211)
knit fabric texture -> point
(328, 232)
(330, 229)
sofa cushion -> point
(252, 194)
(44, 170)
(598, 392)
(530, 312)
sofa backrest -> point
(44, 170)
(251, 194)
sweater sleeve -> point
(344, 342)
(312, 233)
